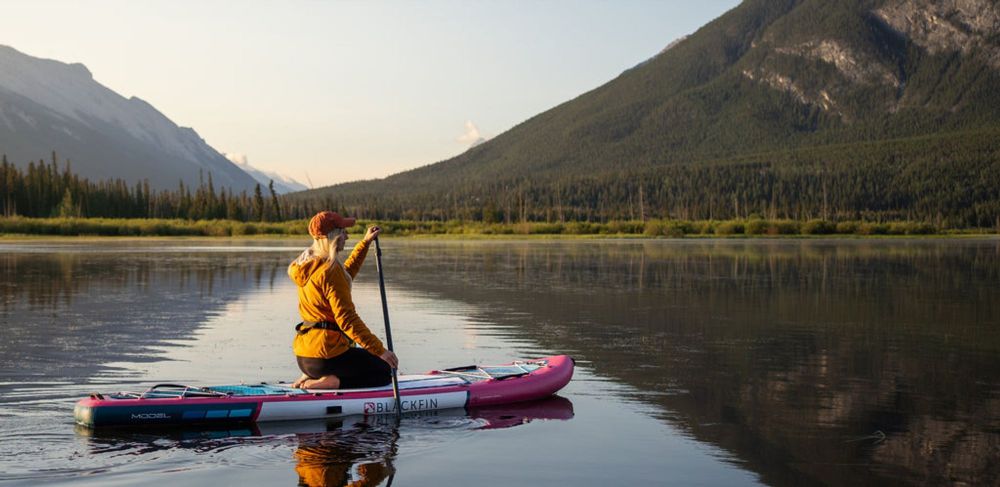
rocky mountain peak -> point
(944, 26)
(856, 58)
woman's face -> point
(341, 240)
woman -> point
(330, 324)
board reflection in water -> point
(355, 450)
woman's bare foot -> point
(298, 382)
(326, 382)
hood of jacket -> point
(303, 267)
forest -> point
(949, 182)
(48, 189)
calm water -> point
(872, 362)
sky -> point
(328, 91)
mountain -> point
(48, 105)
(282, 184)
(882, 109)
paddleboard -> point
(459, 387)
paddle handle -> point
(385, 316)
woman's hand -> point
(390, 358)
(373, 232)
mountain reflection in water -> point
(813, 361)
(113, 306)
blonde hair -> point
(326, 248)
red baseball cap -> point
(325, 221)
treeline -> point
(48, 189)
(146, 227)
(951, 181)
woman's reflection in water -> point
(361, 452)
(361, 455)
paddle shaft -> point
(385, 315)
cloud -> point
(238, 159)
(472, 137)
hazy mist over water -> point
(782, 362)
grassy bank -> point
(653, 228)
(141, 227)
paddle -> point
(385, 314)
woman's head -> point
(328, 230)
(325, 222)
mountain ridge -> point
(766, 76)
(47, 105)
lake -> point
(699, 362)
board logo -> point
(150, 416)
(407, 405)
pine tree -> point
(183, 200)
(67, 208)
(211, 204)
(5, 188)
(258, 203)
(275, 206)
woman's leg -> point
(325, 382)
(358, 369)
(316, 374)
(353, 369)
(298, 382)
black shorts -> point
(356, 368)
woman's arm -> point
(339, 295)
(353, 263)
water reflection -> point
(836, 362)
(63, 315)
(355, 450)
(852, 362)
(333, 459)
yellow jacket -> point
(325, 295)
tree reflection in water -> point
(852, 362)
(114, 302)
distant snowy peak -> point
(282, 184)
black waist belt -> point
(305, 326)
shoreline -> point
(755, 228)
(482, 237)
